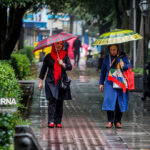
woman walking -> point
(57, 63)
(115, 99)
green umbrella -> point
(117, 36)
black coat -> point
(76, 46)
(51, 90)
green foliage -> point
(20, 3)
(21, 65)
(56, 6)
(111, 18)
(106, 13)
(7, 125)
(7, 128)
(138, 71)
(35, 5)
(9, 87)
(28, 51)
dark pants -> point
(115, 116)
(55, 111)
(76, 58)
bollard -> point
(25, 139)
(147, 84)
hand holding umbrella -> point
(61, 63)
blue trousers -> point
(55, 111)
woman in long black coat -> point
(57, 65)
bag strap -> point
(110, 60)
(111, 63)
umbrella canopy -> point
(117, 36)
(46, 50)
(63, 36)
(85, 46)
(70, 48)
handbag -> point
(129, 75)
(119, 76)
(64, 84)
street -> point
(103, 47)
(84, 121)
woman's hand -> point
(101, 88)
(61, 63)
(40, 86)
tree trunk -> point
(147, 32)
(139, 62)
(10, 31)
(118, 13)
(138, 16)
(3, 29)
(140, 49)
(100, 27)
(125, 25)
(21, 39)
(71, 23)
(10, 27)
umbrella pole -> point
(57, 52)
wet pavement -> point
(84, 121)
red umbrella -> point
(85, 46)
(70, 48)
(63, 36)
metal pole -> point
(57, 52)
(144, 53)
(134, 26)
(51, 27)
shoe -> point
(58, 126)
(109, 125)
(118, 125)
(51, 125)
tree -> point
(140, 49)
(108, 13)
(105, 14)
(11, 16)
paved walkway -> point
(84, 122)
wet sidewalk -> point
(84, 122)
